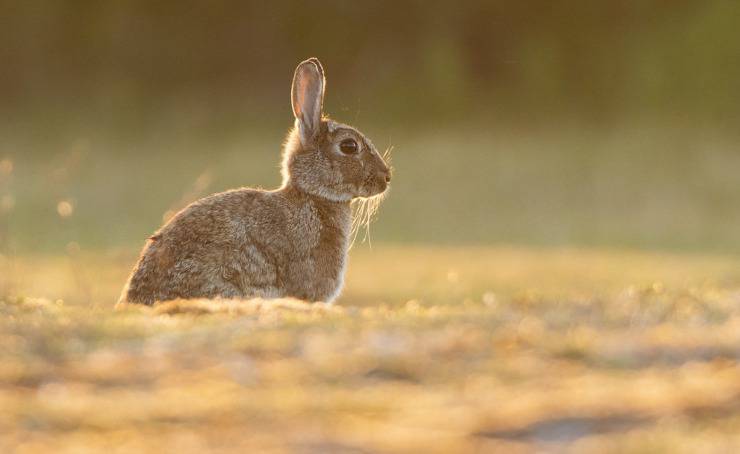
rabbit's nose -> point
(385, 175)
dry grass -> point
(429, 350)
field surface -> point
(428, 350)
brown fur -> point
(290, 242)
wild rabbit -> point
(289, 242)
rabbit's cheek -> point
(352, 175)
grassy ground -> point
(428, 350)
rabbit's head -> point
(324, 157)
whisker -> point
(388, 156)
(387, 153)
(359, 206)
(364, 210)
(363, 214)
(370, 214)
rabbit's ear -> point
(307, 97)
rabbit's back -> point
(245, 243)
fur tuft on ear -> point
(307, 98)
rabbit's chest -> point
(319, 256)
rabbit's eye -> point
(348, 146)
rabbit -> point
(288, 242)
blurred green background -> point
(587, 123)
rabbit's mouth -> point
(374, 185)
